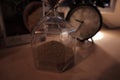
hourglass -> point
(52, 44)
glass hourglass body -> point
(52, 44)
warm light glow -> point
(98, 36)
(64, 35)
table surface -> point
(97, 62)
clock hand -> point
(79, 21)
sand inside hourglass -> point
(54, 56)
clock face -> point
(86, 20)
